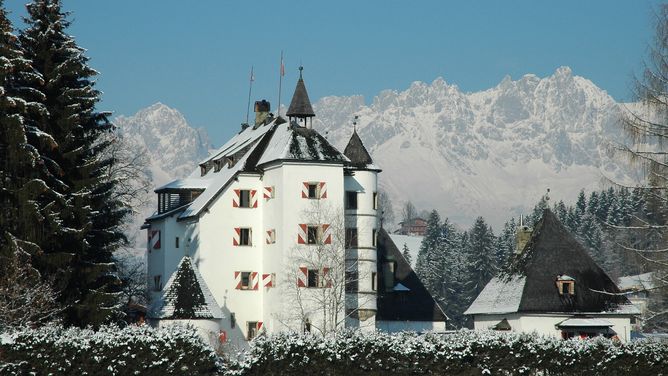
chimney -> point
(522, 236)
(262, 109)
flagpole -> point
(250, 88)
(280, 82)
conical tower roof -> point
(356, 152)
(300, 106)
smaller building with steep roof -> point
(551, 286)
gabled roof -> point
(186, 296)
(408, 299)
(300, 106)
(356, 152)
(249, 150)
(528, 284)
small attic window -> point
(565, 285)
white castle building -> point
(278, 230)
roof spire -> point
(300, 109)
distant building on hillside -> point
(278, 230)
(553, 287)
(638, 288)
(416, 226)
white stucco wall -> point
(544, 324)
(416, 326)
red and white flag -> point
(252, 76)
(282, 65)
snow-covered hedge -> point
(111, 350)
(460, 353)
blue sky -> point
(195, 56)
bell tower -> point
(300, 111)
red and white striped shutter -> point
(302, 235)
(268, 280)
(237, 235)
(326, 278)
(154, 239)
(253, 198)
(302, 276)
(255, 280)
(268, 193)
(305, 189)
(270, 237)
(323, 189)
(237, 280)
(236, 198)
(327, 234)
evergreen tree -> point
(430, 258)
(406, 254)
(581, 204)
(505, 243)
(24, 299)
(592, 204)
(92, 218)
(481, 255)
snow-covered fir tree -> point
(81, 256)
(481, 255)
(406, 253)
(24, 298)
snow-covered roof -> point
(551, 253)
(188, 183)
(400, 287)
(584, 322)
(186, 296)
(292, 142)
(636, 282)
(499, 296)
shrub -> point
(460, 353)
(138, 350)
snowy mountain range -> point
(491, 153)
(172, 147)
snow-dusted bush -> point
(111, 350)
(460, 353)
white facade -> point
(544, 324)
(277, 215)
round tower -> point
(362, 225)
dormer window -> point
(565, 285)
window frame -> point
(251, 328)
(352, 203)
(316, 231)
(316, 190)
(316, 274)
(352, 281)
(157, 283)
(375, 200)
(249, 285)
(374, 237)
(249, 239)
(351, 237)
(245, 198)
(176, 242)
